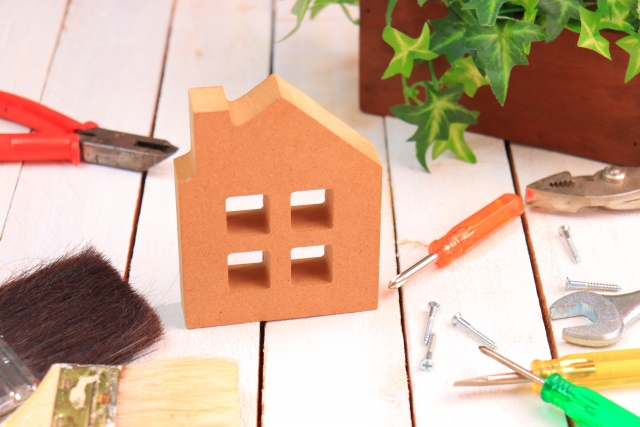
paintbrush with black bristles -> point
(75, 309)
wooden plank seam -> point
(534, 263)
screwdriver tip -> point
(396, 282)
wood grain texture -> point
(608, 244)
(349, 369)
(27, 26)
(567, 99)
(106, 69)
(211, 43)
(492, 286)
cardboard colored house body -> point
(273, 143)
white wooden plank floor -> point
(127, 65)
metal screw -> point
(433, 309)
(427, 362)
(613, 174)
(564, 232)
(578, 285)
(458, 320)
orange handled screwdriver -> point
(464, 236)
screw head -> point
(434, 305)
(456, 318)
(613, 174)
(427, 365)
(567, 284)
(563, 229)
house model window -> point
(247, 214)
(311, 209)
(278, 209)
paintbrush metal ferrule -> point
(86, 396)
(17, 382)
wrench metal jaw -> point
(608, 325)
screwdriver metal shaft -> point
(466, 235)
(584, 406)
(598, 369)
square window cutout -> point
(248, 214)
(249, 270)
(311, 265)
(311, 209)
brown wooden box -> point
(567, 99)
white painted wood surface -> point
(106, 65)
(608, 244)
(212, 44)
(347, 369)
(492, 286)
(107, 69)
(28, 37)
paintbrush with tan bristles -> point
(189, 392)
(75, 309)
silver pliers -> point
(615, 188)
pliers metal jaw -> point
(58, 137)
(123, 150)
(615, 188)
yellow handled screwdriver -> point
(584, 406)
(598, 369)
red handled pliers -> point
(58, 137)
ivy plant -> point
(482, 40)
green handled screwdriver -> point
(586, 407)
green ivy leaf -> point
(299, 9)
(529, 5)
(605, 6)
(590, 37)
(631, 45)
(434, 117)
(558, 13)
(318, 5)
(448, 36)
(613, 15)
(487, 10)
(406, 50)
(456, 143)
(573, 25)
(464, 72)
(421, 2)
(466, 15)
(500, 48)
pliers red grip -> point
(58, 137)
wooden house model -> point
(278, 209)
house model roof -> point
(266, 93)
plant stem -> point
(434, 78)
(513, 9)
(390, 6)
(404, 90)
(346, 12)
